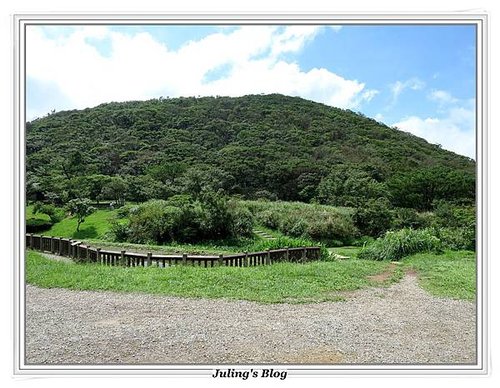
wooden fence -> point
(85, 253)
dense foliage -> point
(260, 146)
(184, 218)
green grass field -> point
(451, 274)
(277, 283)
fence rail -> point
(85, 253)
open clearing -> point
(393, 325)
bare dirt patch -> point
(384, 276)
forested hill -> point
(257, 146)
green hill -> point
(270, 146)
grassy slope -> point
(29, 214)
(95, 226)
(278, 283)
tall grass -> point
(404, 242)
(331, 225)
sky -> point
(418, 78)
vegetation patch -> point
(277, 283)
(451, 274)
(96, 226)
(405, 242)
(328, 224)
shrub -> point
(406, 218)
(242, 220)
(120, 232)
(157, 222)
(449, 215)
(374, 218)
(457, 238)
(55, 214)
(34, 225)
(269, 219)
(362, 241)
(183, 218)
(125, 211)
(404, 242)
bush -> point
(182, 218)
(125, 210)
(34, 225)
(269, 219)
(404, 242)
(449, 215)
(457, 238)
(242, 220)
(120, 232)
(55, 214)
(265, 195)
(375, 218)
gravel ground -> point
(395, 325)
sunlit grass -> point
(277, 283)
(451, 274)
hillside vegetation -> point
(258, 146)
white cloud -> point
(136, 66)
(454, 131)
(442, 97)
(399, 86)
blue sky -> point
(419, 78)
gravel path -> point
(395, 325)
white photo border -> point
(480, 20)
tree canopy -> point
(259, 145)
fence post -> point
(31, 240)
(304, 256)
(70, 248)
(268, 257)
(87, 253)
(184, 258)
(51, 244)
(77, 247)
(149, 261)
(60, 246)
(41, 243)
(245, 260)
(122, 258)
(287, 254)
(221, 260)
(98, 255)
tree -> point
(347, 185)
(80, 207)
(167, 172)
(115, 189)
